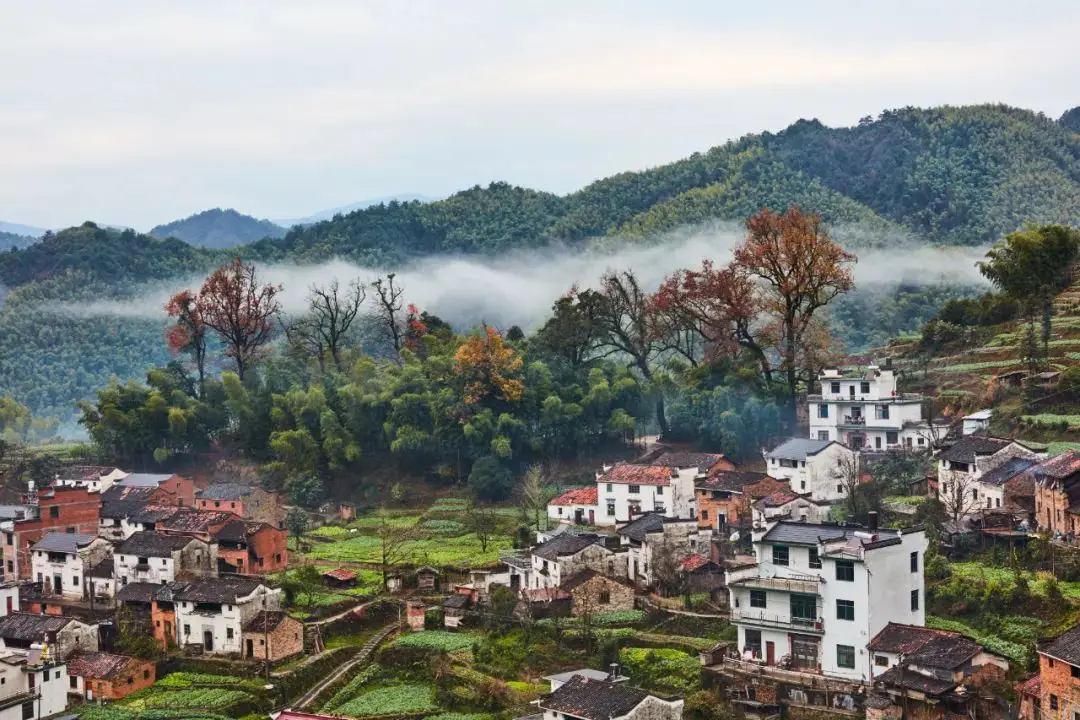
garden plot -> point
(186, 696)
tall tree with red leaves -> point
(234, 305)
(188, 333)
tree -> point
(572, 332)
(531, 493)
(665, 559)
(331, 312)
(958, 493)
(483, 522)
(1031, 266)
(489, 479)
(801, 270)
(188, 333)
(488, 367)
(296, 521)
(388, 316)
(624, 319)
(234, 305)
(394, 542)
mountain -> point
(946, 176)
(346, 209)
(11, 240)
(17, 229)
(218, 228)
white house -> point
(9, 597)
(60, 562)
(92, 477)
(977, 422)
(626, 490)
(653, 538)
(818, 594)
(159, 559)
(33, 683)
(786, 505)
(585, 698)
(864, 410)
(577, 506)
(567, 554)
(212, 613)
(821, 468)
(973, 471)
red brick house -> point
(179, 489)
(272, 637)
(724, 498)
(252, 548)
(706, 463)
(1057, 493)
(1058, 681)
(247, 501)
(98, 675)
(59, 509)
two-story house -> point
(786, 505)
(724, 499)
(60, 509)
(818, 594)
(247, 501)
(966, 481)
(576, 505)
(864, 410)
(178, 489)
(33, 684)
(1057, 493)
(625, 491)
(64, 635)
(250, 547)
(94, 478)
(152, 558)
(822, 469)
(127, 510)
(61, 561)
(656, 545)
(567, 554)
(213, 613)
(1057, 694)
(585, 698)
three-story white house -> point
(818, 594)
(865, 411)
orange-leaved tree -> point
(234, 305)
(188, 333)
(800, 270)
(489, 368)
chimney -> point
(871, 520)
(613, 672)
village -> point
(677, 577)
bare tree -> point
(332, 311)
(959, 494)
(393, 544)
(483, 522)
(304, 337)
(531, 493)
(848, 478)
(666, 558)
(389, 315)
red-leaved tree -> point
(234, 305)
(188, 333)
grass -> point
(436, 640)
(181, 680)
(194, 699)
(407, 699)
(1007, 576)
(465, 550)
(1051, 419)
(906, 499)
(1061, 446)
(1016, 652)
(972, 367)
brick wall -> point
(136, 675)
(1051, 509)
(285, 641)
(61, 509)
(1057, 681)
(268, 549)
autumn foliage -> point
(234, 305)
(489, 368)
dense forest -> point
(218, 228)
(950, 175)
(9, 241)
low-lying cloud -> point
(519, 288)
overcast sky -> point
(141, 112)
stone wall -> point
(586, 598)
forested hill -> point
(218, 228)
(11, 240)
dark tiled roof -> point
(457, 602)
(730, 480)
(120, 501)
(967, 448)
(147, 543)
(579, 579)
(945, 653)
(877, 701)
(1065, 647)
(142, 592)
(196, 521)
(577, 496)
(1058, 467)
(641, 526)
(225, 491)
(581, 697)
(83, 473)
(805, 533)
(29, 628)
(154, 513)
(145, 479)
(238, 531)
(683, 460)
(1006, 471)
(221, 590)
(565, 544)
(63, 542)
(97, 665)
(798, 448)
(911, 680)
(265, 622)
(638, 475)
(777, 499)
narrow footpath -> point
(363, 656)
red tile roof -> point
(1031, 686)
(578, 496)
(546, 594)
(778, 499)
(638, 475)
(694, 562)
(341, 574)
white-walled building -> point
(567, 554)
(92, 477)
(822, 469)
(584, 698)
(865, 411)
(33, 684)
(576, 506)
(625, 491)
(61, 561)
(818, 594)
(9, 597)
(972, 472)
(977, 422)
(212, 613)
(159, 559)
(653, 538)
(786, 505)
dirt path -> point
(363, 656)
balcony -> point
(805, 585)
(756, 618)
(519, 559)
(857, 420)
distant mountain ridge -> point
(20, 229)
(346, 209)
(218, 228)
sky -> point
(138, 112)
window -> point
(560, 512)
(974, 493)
(609, 487)
(845, 656)
(1075, 671)
(75, 580)
(915, 562)
(840, 488)
(815, 559)
(881, 661)
(704, 514)
(961, 466)
(787, 463)
(891, 438)
(1053, 703)
(228, 633)
(802, 485)
(864, 388)
(845, 570)
(877, 443)
(187, 629)
(611, 507)
(758, 599)
(822, 434)
(882, 412)
(73, 682)
(803, 608)
(28, 710)
(217, 503)
(835, 387)
(634, 489)
(54, 512)
(605, 597)
(845, 609)
(914, 600)
(823, 410)
(56, 675)
(780, 554)
(752, 641)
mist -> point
(519, 288)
